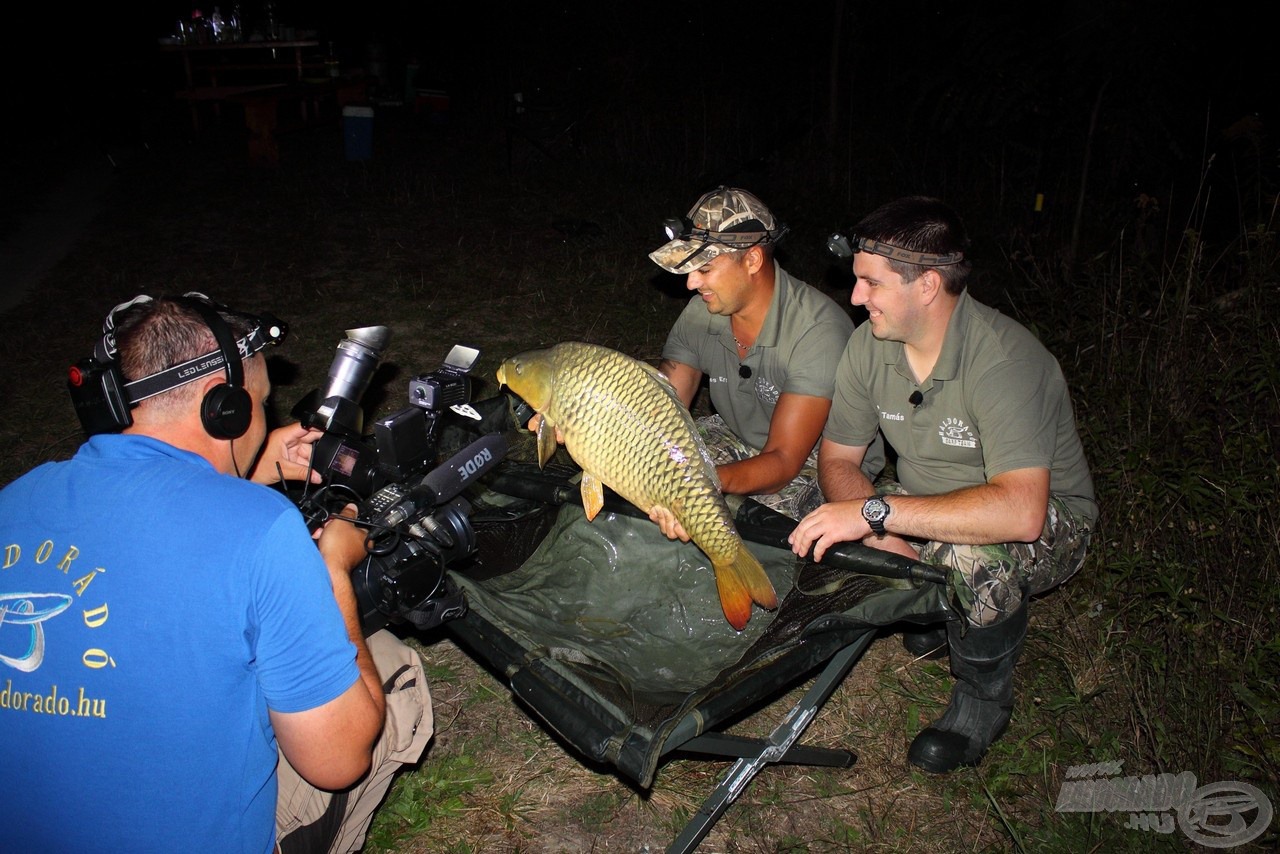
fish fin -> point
(740, 582)
(546, 442)
(756, 580)
(592, 495)
(735, 601)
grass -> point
(1162, 654)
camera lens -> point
(356, 360)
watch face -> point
(874, 510)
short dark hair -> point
(920, 224)
(152, 336)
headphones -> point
(227, 408)
(103, 399)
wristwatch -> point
(875, 510)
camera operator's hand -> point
(342, 544)
(290, 448)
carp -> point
(624, 425)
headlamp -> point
(676, 226)
(844, 248)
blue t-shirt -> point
(151, 611)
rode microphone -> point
(394, 506)
(916, 398)
(463, 468)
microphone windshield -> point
(463, 468)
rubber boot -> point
(981, 701)
(927, 644)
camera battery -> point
(403, 441)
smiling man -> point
(767, 343)
(992, 481)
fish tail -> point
(754, 578)
(740, 582)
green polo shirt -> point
(995, 402)
(803, 335)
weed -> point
(595, 811)
(423, 797)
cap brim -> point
(684, 256)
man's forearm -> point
(978, 515)
(843, 480)
(345, 596)
(765, 472)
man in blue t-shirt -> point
(172, 641)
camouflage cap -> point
(724, 220)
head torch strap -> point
(737, 239)
(897, 253)
(269, 331)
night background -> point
(1117, 167)
(981, 106)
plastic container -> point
(357, 132)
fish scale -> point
(632, 470)
(623, 423)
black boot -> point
(982, 699)
(927, 644)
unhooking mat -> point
(614, 634)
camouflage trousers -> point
(795, 500)
(987, 583)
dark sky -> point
(943, 84)
(1184, 46)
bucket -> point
(357, 132)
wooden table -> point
(236, 56)
(239, 73)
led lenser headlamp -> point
(102, 398)
(845, 248)
(270, 330)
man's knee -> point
(410, 721)
(309, 819)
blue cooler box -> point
(357, 132)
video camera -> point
(418, 524)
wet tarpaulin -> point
(614, 635)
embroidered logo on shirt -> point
(767, 391)
(953, 432)
(21, 609)
(891, 416)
